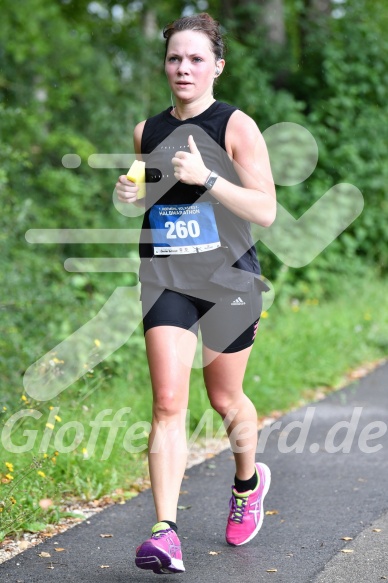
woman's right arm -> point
(127, 190)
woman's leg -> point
(170, 376)
(224, 377)
(224, 383)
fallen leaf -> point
(106, 535)
(45, 503)
(358, 373)
(347, 551)
(272, 570)
(23, 545)
(214, 552)
(346, 538)
(377, 530)
(271, 512)
(44, 555)
(59, 550)
(183, 507)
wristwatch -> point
(211, 180)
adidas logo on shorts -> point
(238, 302)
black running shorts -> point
(228, 319)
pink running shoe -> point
(162, 552)
(246, 510)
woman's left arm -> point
(255, 201)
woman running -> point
(199, 269)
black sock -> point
(245, 485)
(171, 525)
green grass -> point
(300, 347)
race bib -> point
(184, 228)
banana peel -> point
(136, 174)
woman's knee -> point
(167, 403)
(223, 404)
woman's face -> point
(190, 65)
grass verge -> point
(91, 440)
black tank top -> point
(234, 264)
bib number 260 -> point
(181, 229)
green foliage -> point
(76, 78)
(350, 120)
(330, 77)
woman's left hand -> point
(189, 167)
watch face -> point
(211, 180)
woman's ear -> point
(220, 64)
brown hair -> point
(202, 22)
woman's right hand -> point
(126, 190)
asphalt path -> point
(329, 468)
